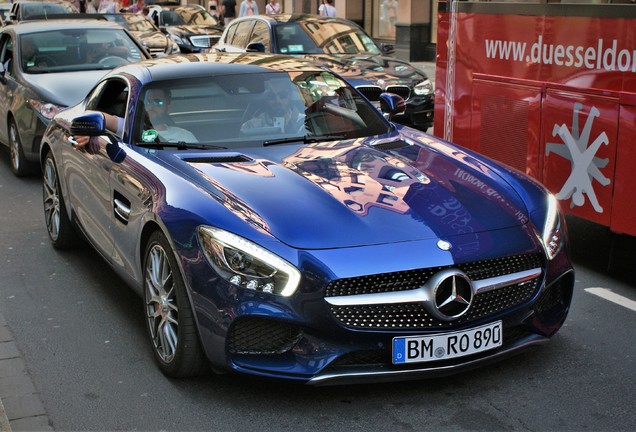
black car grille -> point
(373, 92)
(256, 335)
(203, 41)
(414, 315)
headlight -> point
(45, 109)
(173, 48)
(246, 264)
(178, 39)
(424, 88)
(553, 234)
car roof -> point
(184, 66)
(288, 18)
(35, 26)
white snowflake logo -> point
(585, 165)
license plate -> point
(443, 346)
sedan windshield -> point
(76, 50)
(318, 37)
(261, 109)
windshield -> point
(318, 37)
(76, 50)
(31, 10)
(132, 22)
(254, 110)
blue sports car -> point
(278, 224)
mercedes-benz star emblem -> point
(451, 294)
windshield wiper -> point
(181, 145)
(306, 139)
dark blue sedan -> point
(277, 224)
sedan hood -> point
(184, 30)
(66, 88)
(152, 38)
(326, 196)
(369, 69)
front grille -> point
(373, 92)
(203, 41)
(256, 335)
(370, 92)
(156, 51)
(412, 279)
(403, 91)
(414, 315)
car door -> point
(8, 83)
(88, 170)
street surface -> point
(81, 333)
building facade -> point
(410, 25)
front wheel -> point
(58, 224)
(19, 165)
(169, 317)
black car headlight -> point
(179, 39)
(246, 264)
(553, 234)
(45, 109)
(423, 88)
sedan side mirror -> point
(387, 49)
(392, 105)
(90, 124)
(256, 47)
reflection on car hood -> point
(359, 69)
(64, 88)
(326, 196)
(151, 38)
(195, 30)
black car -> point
(46, 66)
(190, 26)
(343, 47)
(28, 10)
(154, 40)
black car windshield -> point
(76, 50)
(133, 22)
(319, 37)
(32, 10)
(190, 15)
(243, 110)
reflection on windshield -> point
(318, 37)
(256, 109)
(76, 50)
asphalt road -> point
(81, 333)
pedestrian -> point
(228, 11)
(138, 7)
(273, 7)
(214, 9)
(327, 8)
(248, 7)
(108, 6)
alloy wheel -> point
(161, 304)
(51, 199)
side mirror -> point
(387, 49)
(256, 47)
(392, 105)
(90, 124)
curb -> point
(20, 406)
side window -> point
(242, 34)
(110, 97)
(261, 34)
(230, 34)
(6, 54)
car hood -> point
(329, 196)
(66, 88)
(194, 30)
(151, 38)
(359, 69)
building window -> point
(384, 18)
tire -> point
(58, 224)
(169, 317)
(19, 165)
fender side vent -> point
(219, 159)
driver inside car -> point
(95, 52)
(278, 110)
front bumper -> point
(303, 338)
